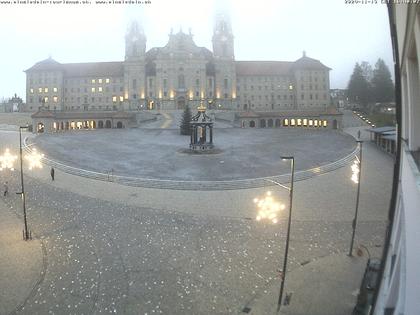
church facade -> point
(177, 75)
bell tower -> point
(134, 68)
(135, 43)
(224, 62)
(223, 39)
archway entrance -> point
(119, 125)
(180, 103)
(108, 124)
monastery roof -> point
(113, 68)
(263, 67)
(309, 63)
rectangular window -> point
(114, 99)
(32, 91)
(100, 89)
(93, 90)
(93, 99)
(55, 99)
(46, 90)
(39, 90)
(46, 99)
(55, 90)
(107, 80)
(93, 81)
(302, 96)
(121, 98)
(100, 81)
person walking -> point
(6, 189)
(52, 173)
(358, 134)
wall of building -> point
(400, 285)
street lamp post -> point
(286, 251)
(26, 232)
(269, 208)
(357, 171)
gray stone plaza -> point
(104, 248)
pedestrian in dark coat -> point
(6, 189)
(52, 173)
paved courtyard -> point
(101, 247)
(156, 153)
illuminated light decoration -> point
(34, 159)
(299, 122)
(7, 160)
(126, 95)
(202, 95)
(325, 123)
(160, 94)
(355, 172)
(268, 208)
(305, 122)
(233, 95)
(286, 122)
(171, 94)
(218, 94)
(142, 95)
(311, 122)
(191, 95)
(292, 122)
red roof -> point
(263, 67)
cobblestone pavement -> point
(157, 153)
(169, 253)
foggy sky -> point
(338, 34)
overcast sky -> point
(338, 34)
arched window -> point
(286, 122)
(181, 81)
(262, 123)
(277, 122)
(108, 124)
(292, 122)
(252, 124)
(270, 123)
